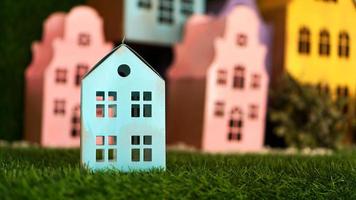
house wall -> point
(42, 55)
(105, 78)
(312, 68)
(33, 108)
(185, 111)
(229, 54)
(142, 24)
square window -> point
(61, 75)
(147, 96)
(255, 82)
(135, 110)
(81, 71)
(100, 96)
(135, 96)
(147, 139)
(241, 39)
(84, 39)
(147, 110)
(219, 108)
(112, 140)
(135, 140)
(100, 110)
(112, 96)
(100, 140)
(112, 155)
(144, 4)
(221, 77)
(253, 112)
(112, 110)
(147, 154)
(238, 137)
(135, 155)
(100, 155)
(59, 107)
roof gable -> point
(114, 50)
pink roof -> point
(196, 52)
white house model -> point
(123, 114)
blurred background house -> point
(72, 44)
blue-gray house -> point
(155, 22)
(123, 114)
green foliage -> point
(20, 25)
(56, 174)
(304, 117)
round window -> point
(123, 70)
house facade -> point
(313, 41)
(158, 22)
(237, 86)
(123, 114)
(222, 76)
(53, 91)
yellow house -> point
(315, 41)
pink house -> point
(218, 86)
(70, 46)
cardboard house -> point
(157, 22)
(218, 82)
(313, 41)
(71, 44)
(123, 114)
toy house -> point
(314, 47)
(218, 82)
(157, 22)
(71, 45)
(123, 114)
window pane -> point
(135, 155)
(147, 139)
(147, 154)
(144, 4)
(221, 77)
(61, 75)
(100, 140)
(112, 110)
(112, 155)
(99, 155)
(147, 110)
(84, 39)
(147, 96)
(219, 108)
(187, 7)
(100, 110)
(135, 140)
(112, 96)
(241, 39)
(59, 107)
(81, 70)
(135, 96)
(112, 140)
(100, 96)
(135, 110)
(166, 11)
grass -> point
(56, 174)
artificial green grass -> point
(56, 174)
